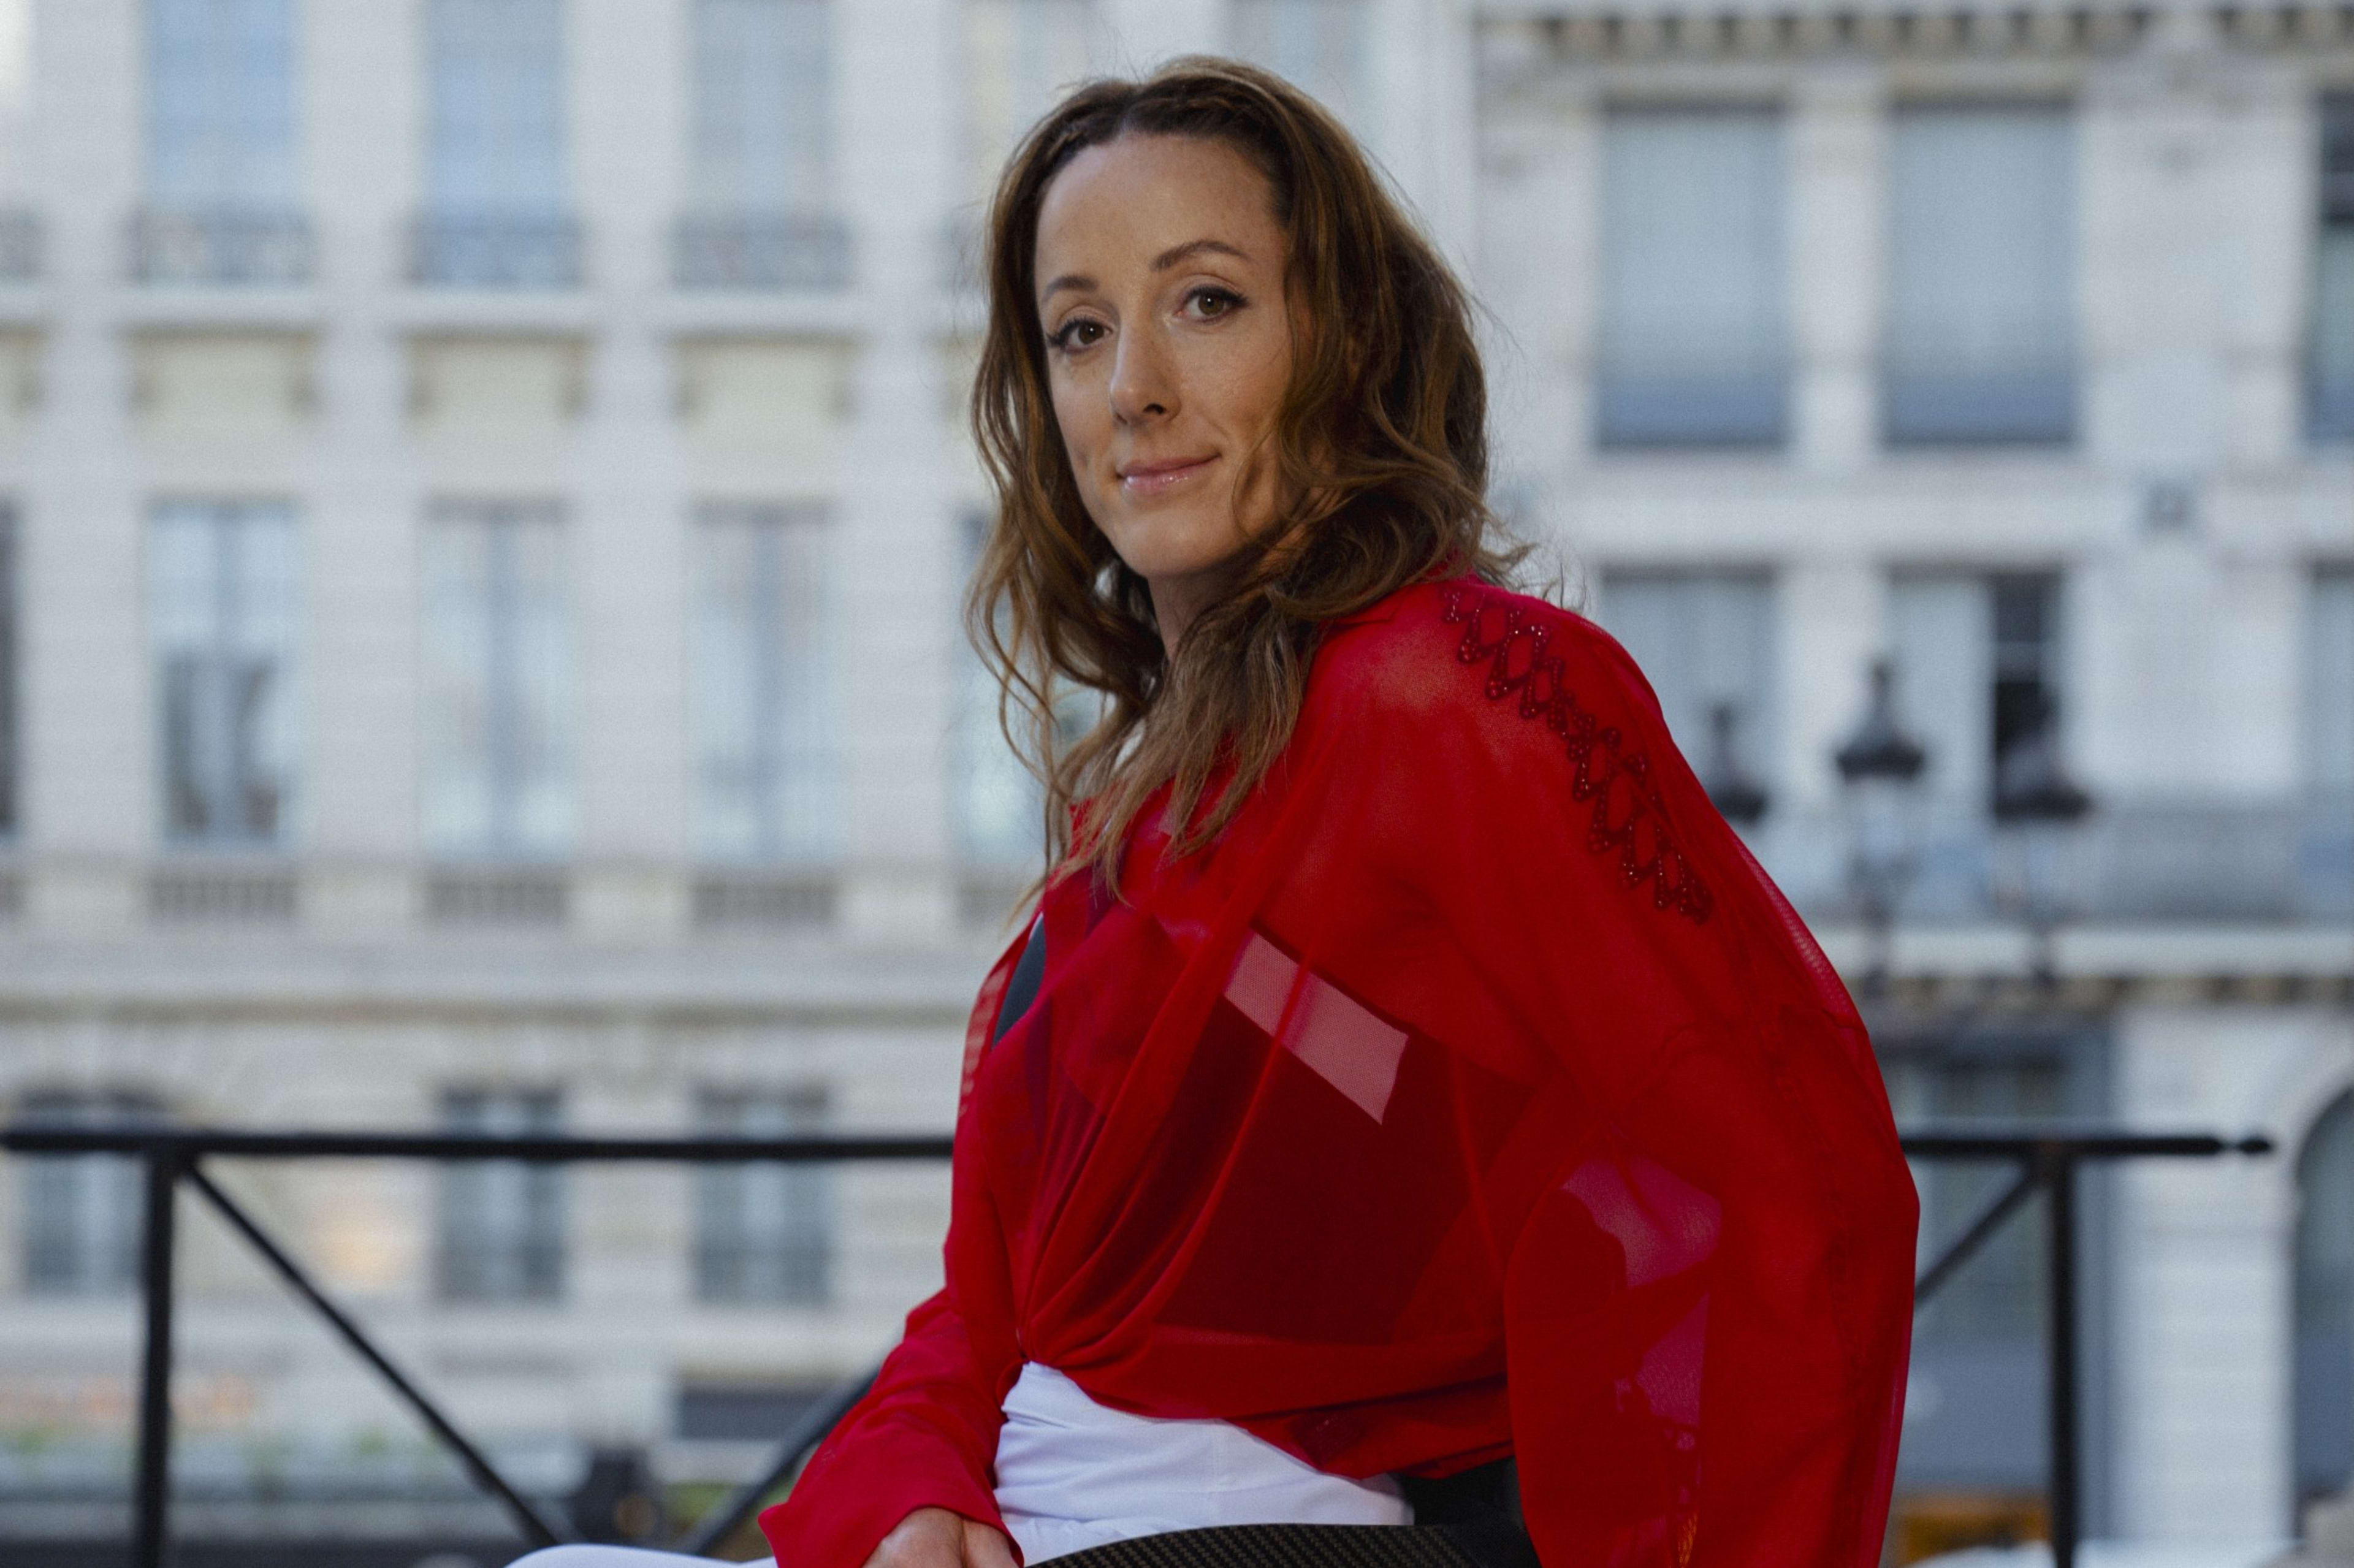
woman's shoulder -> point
(1457, 646)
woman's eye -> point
(1076, 334)
(1211, 303)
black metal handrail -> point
(2047, 1158)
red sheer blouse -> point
(1476, 1093)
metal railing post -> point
(151, 1517)
(2060, 1217)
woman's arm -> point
(919, 1451)
(922, 1442)
(937, 1538)
(1707, 1310)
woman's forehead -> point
(1139, 196)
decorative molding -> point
(221, 895)
(2289, 28)
(1917, 998)
(739, 901)
(1943, 32)
(497, 897)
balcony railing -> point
(2138, 861)
(757, 250)
(238, 246)
(496, 250)
(2044, 1160)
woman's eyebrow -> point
(1160, 263)
(1192, 247)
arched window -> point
(2324, 1305)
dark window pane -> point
(2330, 400)
(2324, 1303)
(9, 759)
(2025, 609)
(502, 1220)
(83, 1214)
(763, 1233)
(741, 1412)
(221, 606)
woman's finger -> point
(986, 1548)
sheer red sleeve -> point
(1475, 1094)
(1707, 1310)
(925, 1437)
(926, 1433)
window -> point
(497, 689)
(767, 739)
(2324, 1304)
(2330, 401)
(1694, 339)
(502, 1220)
(1316, 45)
(1022, 56)
(2026, 694)
(495, 153)
(762, 173)
(221, 590)
(2326, 855)
(220, 146)
(763, 1233)
(2329, 685)
(762, 104)
(1978, 1374)
(999, 820)
(1705, 640)
(1999, 1293)
(1980, 679)
(20, 227)
(742, 1412)
(10, 757)
(84, 1214)
(1981, 331)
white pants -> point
(605, 1557)
(1071, 1474)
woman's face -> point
(1161, 272)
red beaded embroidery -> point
(1632, 820)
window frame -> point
(232, 529)
(474, 1264)
(1769, 385)
(791, 1259)
(1902, 431)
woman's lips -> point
(1156, 479)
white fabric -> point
(1071, 1474)
(605, 1557)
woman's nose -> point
(1143, 387)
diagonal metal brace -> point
(806, 1434)
(536, 1527)
(1987, 1222)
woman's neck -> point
(1179, 600)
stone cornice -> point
(1638, 31)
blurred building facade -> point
(486, 509)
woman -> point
(1405, 1070)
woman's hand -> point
(936, 1538)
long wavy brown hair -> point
(1379, 447)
